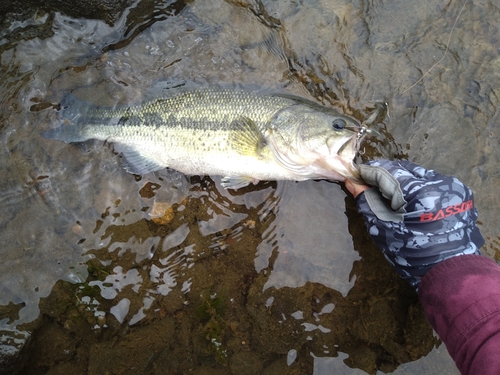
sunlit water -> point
(284, 255)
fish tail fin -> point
(65, 133)
(72, 110)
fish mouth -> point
(350, 149)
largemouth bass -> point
(242, 135)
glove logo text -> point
(448, 211)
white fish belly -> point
(205, 153)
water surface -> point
(274, 278)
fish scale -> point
(240, 134)
(218, 105)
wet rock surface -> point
(14, 345)
(230, 324)
(106, 10)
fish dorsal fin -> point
(136, 163)
(246, 137)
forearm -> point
(461, 298)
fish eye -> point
(338, 124)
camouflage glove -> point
(417, 217)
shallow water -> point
(274, 278)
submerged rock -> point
(106, 10)
(12, 345)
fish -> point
(240, 134)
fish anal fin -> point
(136, 163)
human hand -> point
(354, 188)
(416, 216)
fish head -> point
(318, 143)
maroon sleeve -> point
(461, 299)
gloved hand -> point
(416, 216)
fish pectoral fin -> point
(234, 183)
(136, 163)
(246, 137)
